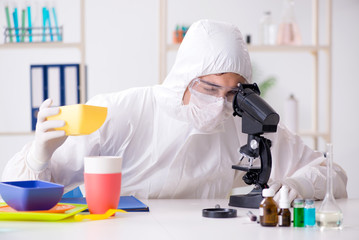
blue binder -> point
(127, 203)
(61, 82)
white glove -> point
(292, 190)
(47, 140)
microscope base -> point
(250, 200)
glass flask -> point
(329, 215)
(288, 30)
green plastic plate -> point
(32, 216)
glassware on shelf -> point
(288, 30)
(267, 30)
(329, 215)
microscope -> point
(257, 118)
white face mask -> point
(207, 113)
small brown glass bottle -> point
(268, 209)
(284, 214)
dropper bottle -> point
(284, 214)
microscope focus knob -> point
(254, 144)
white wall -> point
(122, 52)
(345, 89)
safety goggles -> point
(212, 89)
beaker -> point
(288, 30)
(329, 215)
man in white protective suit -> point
(177, 139)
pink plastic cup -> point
(102, 183)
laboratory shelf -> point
(37, 45)
(17, 133)
(313, 134)
(302, 48)
(271, 48)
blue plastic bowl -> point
(31, 195)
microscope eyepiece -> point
(258, 116)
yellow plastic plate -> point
(59, 208)
(81, 119)
(36, 216)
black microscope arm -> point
(266, 162)
(258, 176)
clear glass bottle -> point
(284, 214)
(288, 30)
(268, 209)
(309, 213)
(329, 215)
(298, 213)
(267, 30)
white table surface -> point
(178, 219)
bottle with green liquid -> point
(298, 213)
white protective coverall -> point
(163, 155)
